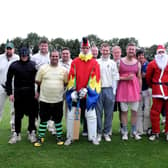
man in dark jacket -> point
(23, 72)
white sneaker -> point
(14, 138)
(32, 137)
(154, 137)
(99, 137)
(135, 136)
(125, 136)
(68, 142)
(95, 141)
(107, 138)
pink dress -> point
(128, 90)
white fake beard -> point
(161, 60)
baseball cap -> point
(9, 45)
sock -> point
(133, 128)
(42, 129)
(58, 127)
(125, 128)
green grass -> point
(82, 154)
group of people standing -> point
(42, 86)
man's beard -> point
(161, 60)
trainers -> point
(135, 136)
(14, 138)
(154, 137)
(84, 134)
(125, 136)
(32, 137)
(68, 142)
(60, 141)
(39, 142)
(95, 141)
(107, 138)
(99, 137)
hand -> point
(11, 98)
(36, 95)
(74, 96)
(130, 77)
(82, 93)
(114, 92)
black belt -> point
(160, 83)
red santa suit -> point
(157, 79)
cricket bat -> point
(76, 129)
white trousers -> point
(3, 97)
(143, 115)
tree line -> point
(32, 41)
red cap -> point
(160, 48)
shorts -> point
(133, 106)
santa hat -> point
(85, 42)
(160, 48)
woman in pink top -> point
(128, 91)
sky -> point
(146, 20)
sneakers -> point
(124, 136)
(135, 136)
(68, 142)
(39, 142)
(32, 137)
(95, 141)
(59, 141)
(14, 138)
(154, 137)
(99, 137)
(107, 138)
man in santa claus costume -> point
(157, 79)
(83, 86)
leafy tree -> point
(123, 42)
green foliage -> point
(32, 41)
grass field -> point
(82, 154)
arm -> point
(8, 84)
(149, 74)
(115, 78)
(139, 75)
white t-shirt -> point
(40, 59)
